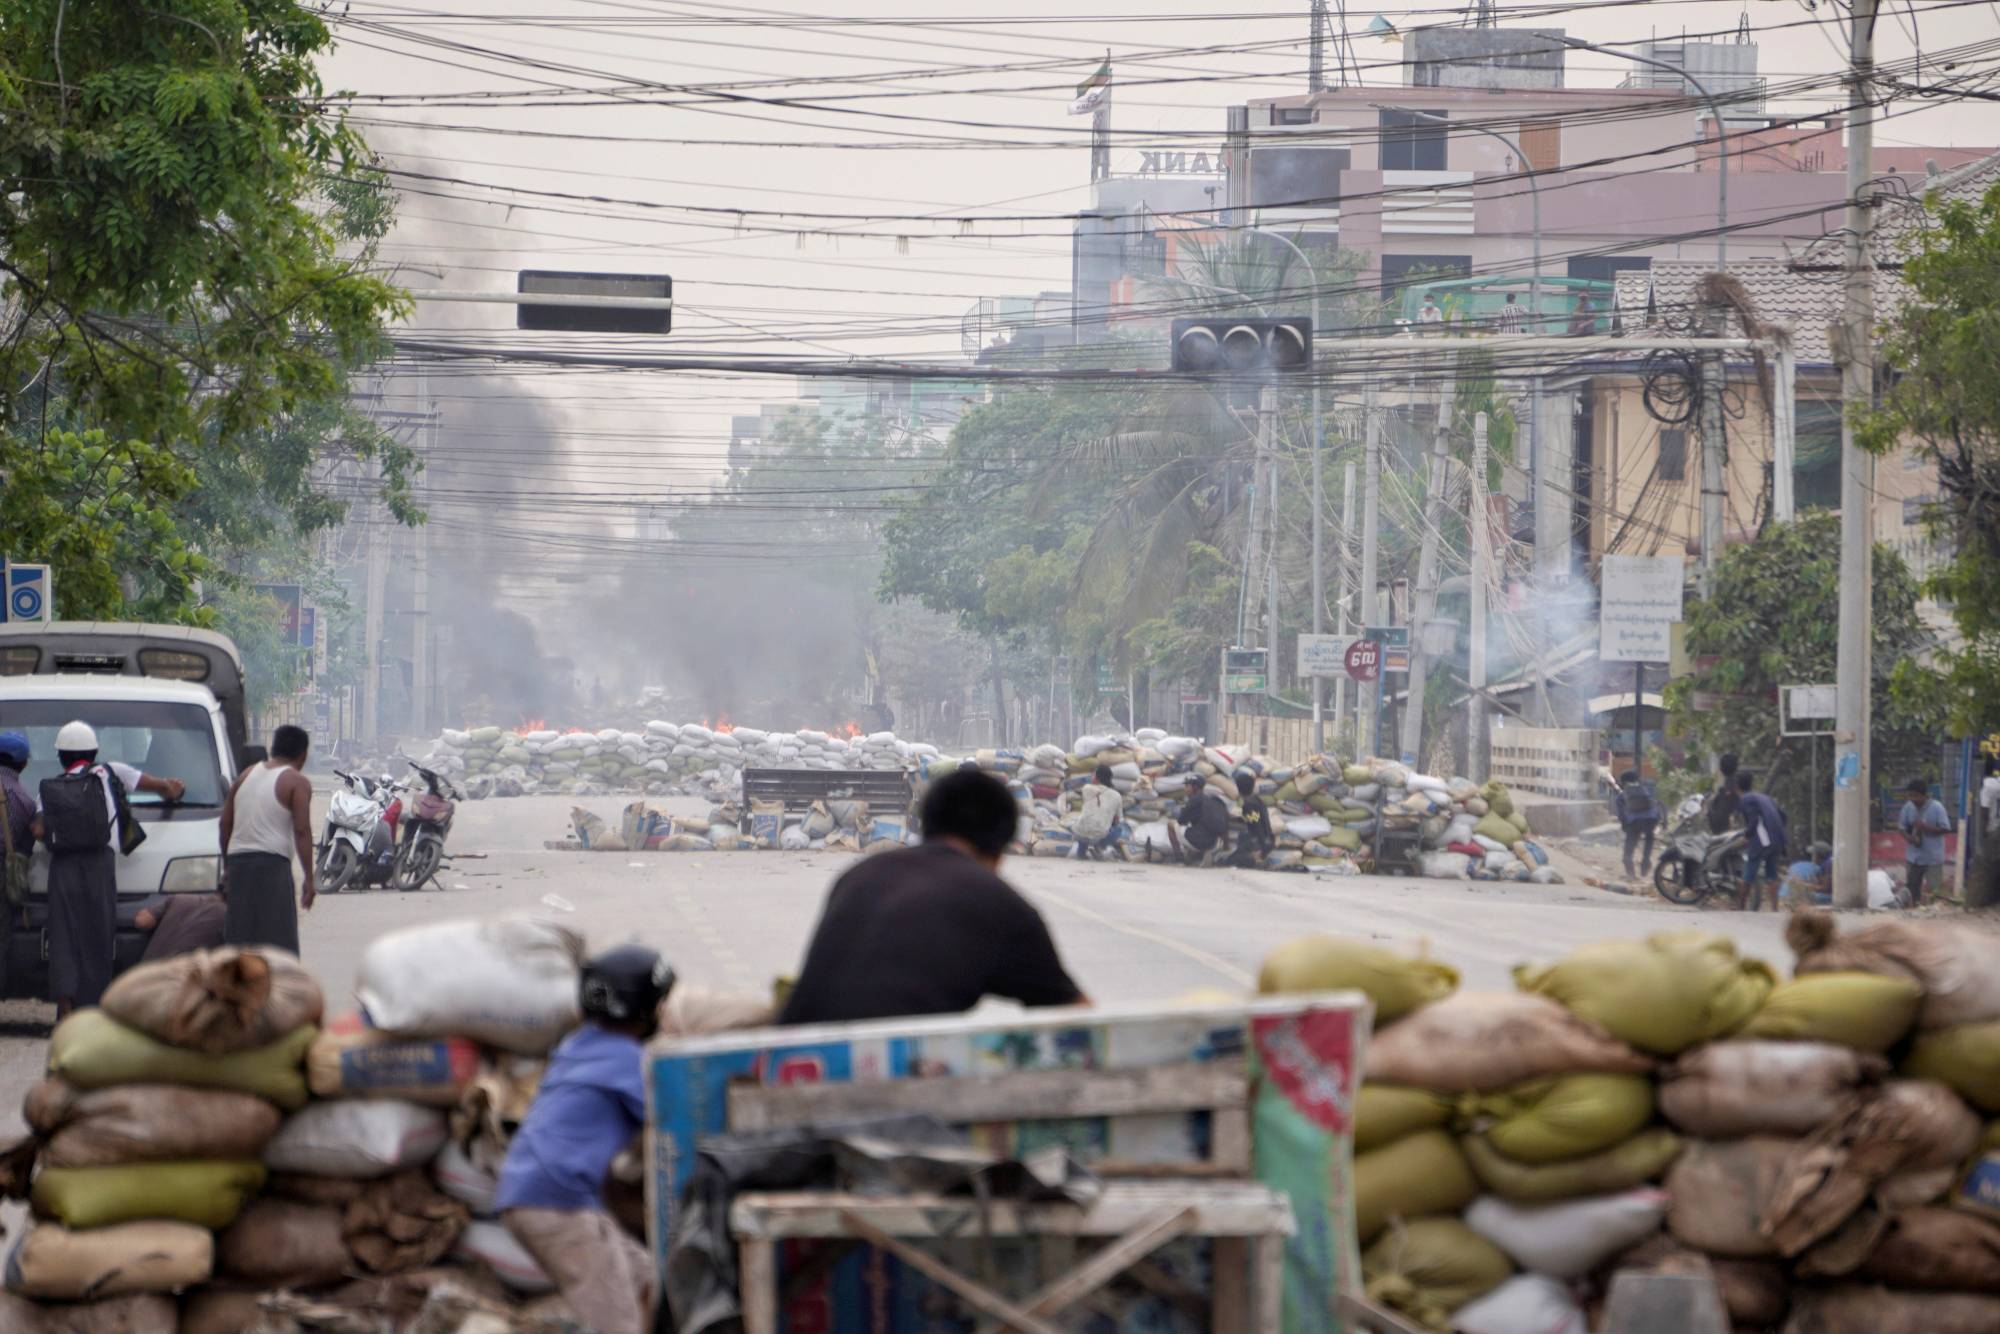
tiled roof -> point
(1900, 218)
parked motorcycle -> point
(357, 849)
(1696, 863)
(424, 830)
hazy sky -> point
(939, 110)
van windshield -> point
(166, 740)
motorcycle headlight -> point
(191, 875)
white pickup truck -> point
(166, 699)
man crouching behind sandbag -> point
(592, 1100)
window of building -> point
(1816, 454)
(1541, 141)
(1297, 177)
(1916, 509)
(1293, 116)
(1673, 454)
(1606, 268)
(1412, 142)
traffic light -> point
(1243, 345)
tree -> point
(182, 292)
(1771, 620)
(1944, 396)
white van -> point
(165, 699)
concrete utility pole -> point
(1852, 774)
(1425, 603)
(1346, 582)
(420, 591)
(1784, 431)
(1475, 658)
(1366, 719)
(1714, 465)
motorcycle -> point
(424, 830)
(358, 846)
(1696, 863)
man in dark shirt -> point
(1765, 824)
(1205, 821)
(187, 923)
(1257, 840)
(932, 929)
(1722, 805)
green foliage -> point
(1945, 398)
(1772, 620)
(1185, 641)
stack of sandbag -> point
(148, 1134)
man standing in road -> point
(1765, 844)
(932, 929)
(1722, 805)
(87, 823)
(267, 818)
(17, 819)
(1924, 825)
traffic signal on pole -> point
(1243, 345)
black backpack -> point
(73, 814)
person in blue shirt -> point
(1811, 881)
(1765, 844)
(1924, 825)
(591, 1102)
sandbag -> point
(1751, 1086)
(351, 1060)
(1496, 827)
(1959, 970)
(1662, 994)
(1854, 1309)
(1948, 1250)
(692, 1009)
(1864, 1011)
(1640, 1159)
(492, 1245)
(1396, 984)
(90, 1049)
(139, 1313)
(283, 1244)
(1429, 1267)
(1755, 1293)
(215, 1310)
(217, 1001)
(1419, 1174)
(1477, 1042)
(1524, 1304)
(357, 1137)
(52, 1263)
(1384, 1113)
(1570, 1238)
(313, 1189)
(145, 1123)
(1571, 1116)
(1720, 1192)
(509, 982)
(209, 1194)
(1967, 1058)
(401, 1223)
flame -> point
(721, 724)
(849, 729)
(530, 725)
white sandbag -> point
(509, 982)
(1570, 1238)
(1365, 794)
(1524, 1304)
(794, 838)
(356, 1138)
(1087, 746)
(1442, 865)
(464, 1180)
(1125, 773)
(490, 1243)
(1426, 783)
(1308, 827)
(1490, 844)
(1179, 749)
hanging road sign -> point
(1245, 671)
(1395, 645)
(30, 593)
(1364, 660)
(1322, 655)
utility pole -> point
(1425, 602)
(1267, 413)
(1346, 580)
(1366, 719)
(1852, 773)
(1714, 460)
(1475, 658)
(1318, 570)
(420, 592)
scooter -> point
(424, 830)
(1697, 864)
(357, 849)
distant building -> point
(1484, 58)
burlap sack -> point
(1946, 1250)
(52, 1263)
(146, 1123)
(1748, 1086)
(1479, 1042)
(1870, 1310)
(1958, 969)
(1720, 1192)
(283, 1244)
(402, 1223)
(217, 1001)
(141, 1313)
(351, 1060)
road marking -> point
(1239, 976)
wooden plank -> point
(1229, 1141)
(1366, 1317)
(1229, 1286)
(1267, 1285)
(758, 1286)
(1011, 1316)
(1221, 1209)
(1106, 1265)
(1015, 1095)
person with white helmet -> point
(86, 821)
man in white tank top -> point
(268, 818)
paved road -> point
(1127, 932)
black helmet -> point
(623, 984)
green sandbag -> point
(1553, 1120)
(1638, 1160)
(1866, 1011)
(1498, 800)
(1419, 1174)
(1500, 830)
(92, 1050)
(208, 1194)
(1340, 836)
(1384, 1113)
(1287, 792)
(1520, 822)
(1662, 994)
(1396, 984)
(1429, 1267)
(1965, 1056)
(1357, 775)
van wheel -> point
(339, 869)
